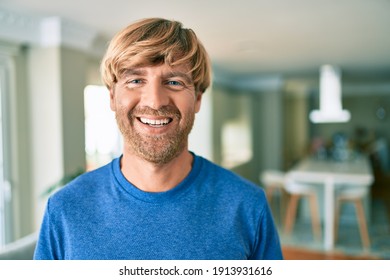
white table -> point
(328, 173)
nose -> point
(154, 96)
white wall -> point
(45, 122)
(200, 139)
(56, 81)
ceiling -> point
(252, 36)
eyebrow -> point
(134, 71)
(173, 74)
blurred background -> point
(291, 80)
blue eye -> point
(174, 83)
(132, 83)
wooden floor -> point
(293, 253)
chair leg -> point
(283, 202)
(362, 223)
(268, 194)
(291, 213)
(336, 220)
(315, 216)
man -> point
(158, 200)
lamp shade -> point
(330, 98)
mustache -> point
(168, 111)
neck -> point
(151, 177)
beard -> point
(157, 149)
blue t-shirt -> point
(211, 214)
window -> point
(102, 137)
(236, 132)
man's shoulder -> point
(230, 181)
(85, 185)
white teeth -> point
(154, 122)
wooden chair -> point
(298, 190)
(353, 194)
(273, 181)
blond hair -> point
(154, 41)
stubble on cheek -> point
(155, 149)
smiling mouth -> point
(155, 123)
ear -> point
(198, 101)
(112, 99)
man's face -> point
(155, 109)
